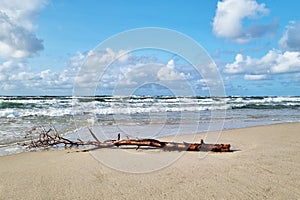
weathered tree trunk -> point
(171, 146)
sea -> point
(136, 116)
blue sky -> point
(255, 44)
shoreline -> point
(161, 114)
(264, 165)
(188, 136)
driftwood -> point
(49, 138)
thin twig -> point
(94, 136)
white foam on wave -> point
(137, 111)
(9, 113)
(56, 107)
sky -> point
(48, 47)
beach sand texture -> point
(265, 165)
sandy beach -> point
(264, 165)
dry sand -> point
(266, 166)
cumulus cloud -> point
(17, 78)
(229, 17)
(291, 38)
(274, 62)
(122, 72)
(167, 73)
(164, 75)
(138, 74)
(17, 36)
(119, 68)
(287, 62)
(98, 63)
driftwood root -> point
(49, 138)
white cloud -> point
(122, 69)
(21, 76)
(96, 62)
(18, 41)
(22, 80)
(143, 74)
(287, 62)
(17, 36)
(238, 66)
(167, 73)
(255, 77)
(171, 64)
(5, 66)
(126, 72)
(17, 78)
(228, 21)
(138, 74)
(291, 38)
(274, 62)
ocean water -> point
(137, 116)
